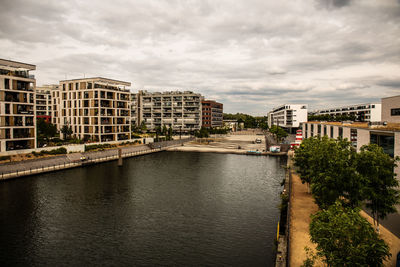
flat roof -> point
(364, 125)
(391, 96)
(101, 79)
(16, 64)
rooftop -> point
(15, 65)
(364, 125)
(100, 79)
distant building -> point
(180, 111)
(97, 109)
(44, 102)
(232, 125)
(288, 116)
(17, 106)
(391, 109)
(362, 112)
(212, 113)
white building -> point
(363, 112)
(288, 116)
(178, 110)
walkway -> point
(302, 206)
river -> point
(168, 208)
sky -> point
(250, 55)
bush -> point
(57, 151)
(100, 147)
(135, 136)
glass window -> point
(384, 141)
(395, 112)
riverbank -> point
(301, 207)
(72, 160)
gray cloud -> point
(252, 55)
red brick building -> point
(212, 112)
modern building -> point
(232, 125)
(179, 110)
(96, 109)
(362, 112)
(391, 109)
(135, 110)
(212, 114)
(359, 134)
(17, 106)
(44, 102)
(288, 116)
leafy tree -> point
(169, 133)
(203, 133)
(158, 133)
(345, 238)
(278, 132)
(329, 165)
(143, 126)
(67, 131)
(164, 130)
(45, 129)
(380, 181)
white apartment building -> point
(97, 109)
(179, 110)
(288, 115)
(363, 112)
(44, 101)
(17, 106)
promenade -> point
(302, 206)
(47, 164)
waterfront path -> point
(302, 206)
(16, 169)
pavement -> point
(46, 162)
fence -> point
(67, 165)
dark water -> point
(170, 208)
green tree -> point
(203, 133)
(143, 127)
(66, 131)
(278, 132)
(329, 166)
(164, 130)
(158, 132)
(345, 238)
(45, 129)
(381, 184)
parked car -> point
(258, 141)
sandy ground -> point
(302, 206)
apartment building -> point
(391, 109)
(179, 110)
(44, 102)
(17, 106)
(288, 116)
(212, 114)
(135, 110)
(97, 109)
(363, 112)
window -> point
(331, 131)
(395, 112)
(340, 132)
(384, 141)
(6, 83)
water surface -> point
(169, 208)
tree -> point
(278, 132)
(169, 133)
(67, 131)
(203, 133)
(380, 181)
(143, 126)
(158, 132)
(45, 129)
(164, 130)
(345, 238)
(329, 166)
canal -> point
(168, 208)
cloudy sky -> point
(251, 55)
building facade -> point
(362, 112)
(387, 138)
(288, 116)
(179, 110)
(17, 106)
(391, 109)
(44, 103)
(212, 114)
(97, 109)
